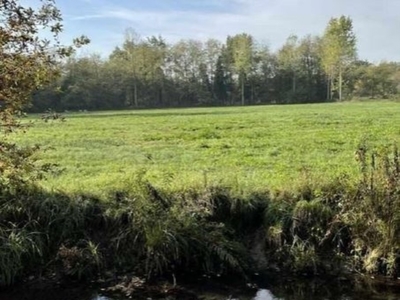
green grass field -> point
(251, 148)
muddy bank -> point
(271, 288)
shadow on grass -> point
(164, 113)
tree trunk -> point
(128, 97)
(160, 97)
(161, 93)
(328, 89)
(294, 83)
(252, 93)
(135, 94)
(243, 90)
(340, 84)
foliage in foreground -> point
(27, 63)
(152, 233)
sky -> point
(376, 22)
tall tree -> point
(220, 88)
(241, 48)
(128, 59)
(311, 69)
(187, 67)
(289, 59)
(264, 75)
(212, 50)
(339, 49)
(157, 59)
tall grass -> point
(373, 212)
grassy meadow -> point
(249, 148)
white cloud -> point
(87, 17)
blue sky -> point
(376, 22)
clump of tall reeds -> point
(372, 212)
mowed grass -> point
(249, 148)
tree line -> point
(149, 72)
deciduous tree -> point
(241, 48)
(339, 49)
